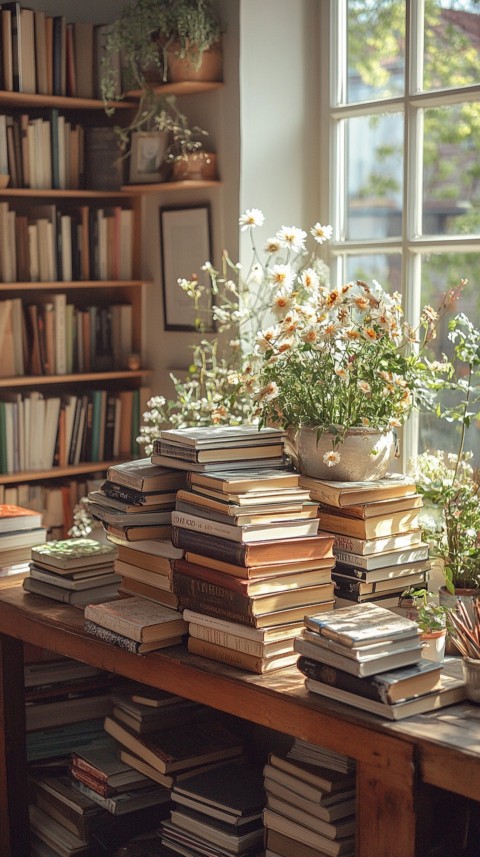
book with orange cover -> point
(256, 553)
(14, 518)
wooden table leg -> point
(386, 812)
(14, 825)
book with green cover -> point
(66, 554)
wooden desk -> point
(394, 761)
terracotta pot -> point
(195, 166)
(210, 68)
(365, 454)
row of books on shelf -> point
(54, 337)
(50, 151)
(45, 54)
(39, 432)
(49, 244)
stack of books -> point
(217, 812)
(310, 805)
(75, 571)
(378, 547)
(136, 500)
(369, 657)
(20, 530)
(219, 448)
(254, 561)
(135, 624)
(133, 490)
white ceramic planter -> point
(433, 645)
(365, 454)
(471, 673)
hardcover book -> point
(305, 836)
(126, 643)
(391, 686)
(169, 751)
(263, 635)
(383, 507)
(322, 565)
(267, 515)
(207, 592)
(234, 788)
(14, 518)
(327, 784)
(212, 466)
(246, 533)
(68, 554)
(253, 479)
(357, 585)
(255, 553)
(80, 598)
(142, 475)
(348, 493)
(204, 455)
(132, 533)
(269, 503)
(386, 562)
(239, 659)
(319, 806)
(451, 691)
(241, 644)
(140, 620)
(386, 660)
(220, 435)
(369, 528)
(368, 547)
(258, 585)
(361, 624)
(338, 830)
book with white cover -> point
(247, 533)
(382, 662)
(220, 435)
(361, 624)
(383, 560)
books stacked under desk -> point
(75, 571)
(217, 813)
(20, 530)
(310, 806)
(254, 562)
(377, 537)
(371, 658)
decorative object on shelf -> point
(151, 33)
(465, 635)
(161, 143)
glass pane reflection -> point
(375, 49)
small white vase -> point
(365, 454)
(433, 645)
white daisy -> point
(292, 238)
(331, 458)
(251, 218)
(321, 233)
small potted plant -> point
(431, 618)
(151, 34)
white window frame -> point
(334, 109)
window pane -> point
(439, 273)
(374, 176)
(385, 268)
(451, 55)
(375, 45)
(451, 170)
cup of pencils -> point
(465, 634)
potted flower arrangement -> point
(431, 618)
(340, 367)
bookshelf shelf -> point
(86, 467)
(184, 87)
(71, 284)
(74, 378)
(170, 186)
(53, 193)
(66, 102)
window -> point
(404, 166)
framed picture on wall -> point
(185, 239)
